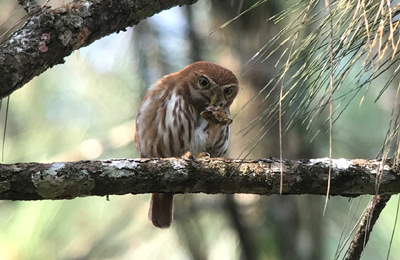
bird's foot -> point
(189, 156)
(203, 155)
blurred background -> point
(86, 108)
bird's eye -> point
(204, 82)
(228, 91)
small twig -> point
(361, 238)
(5, 129)
(45, 3)
(394, 227)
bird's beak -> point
(214, 98)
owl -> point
(186, 111)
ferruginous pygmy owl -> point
(186, 111)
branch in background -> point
(368, 221)
(50, 35)
(246, 238)
(36, 181)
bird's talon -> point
(188, 156)
(203, 155)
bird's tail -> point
(161, 209)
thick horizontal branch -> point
(36, 181)
(49, 35)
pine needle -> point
(326, 59)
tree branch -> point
(28, 5)
(49, 35)
(36, 181)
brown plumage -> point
(185, 111)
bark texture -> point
(36, 181)
(49, 35)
